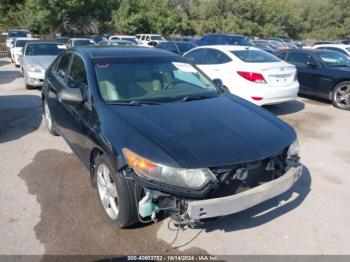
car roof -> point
(218, 34)
(104, 52)
(80, 38)
(307, 50)
(229, 47)
(25, 38)
(37, 42)
(332, 45)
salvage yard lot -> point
(47, 205)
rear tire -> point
(341, 95)
(116, 194)
(50, 123)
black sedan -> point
(322, 73)
(157, 135)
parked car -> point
(37, 57)
(74, 42)
(323, 43)
(97, 38)
(345, 49)
(277, 44)
(345, 41)
(322, 73)
(248, 72)
(126, 38)
(160, 136)
(16, 49)
(116, 43)
(224, 39)
(13, 34)
(146, 38)
(62, 40)
(178, 47)
(264, 45)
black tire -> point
(335, 95)
(50, 127)
(127, 190)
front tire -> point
(341, 95)
(49, 121)
(116, 194)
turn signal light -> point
(253, 77)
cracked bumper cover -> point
(233, 204)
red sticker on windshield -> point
(102, 66)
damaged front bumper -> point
(223, 206)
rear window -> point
(18, 34)
(255, 56)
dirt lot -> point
(47, 205)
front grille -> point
(238, 178)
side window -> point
(213, 57)
(196, 56)
(299, 58)
(77, 74)
(282, 56)
(148, 38)
(63, 66)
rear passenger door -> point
(56, 81)
(214, 64)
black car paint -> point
(319, 79)
(212, 132)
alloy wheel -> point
(107, 191)
(342, 96)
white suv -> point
(146, 38)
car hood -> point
(42, 61)
(213, 132)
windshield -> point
(334, 59)
(18, 34)
(42, 49)
(156, 37)
(21, 43)
(255, 56)
(82, 42)
(157, 79)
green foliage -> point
(317, 19)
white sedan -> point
(16, 49)
(345, 49)
(248, 72)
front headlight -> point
(180, 177)
(293, 151)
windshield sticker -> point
(102, 66)
(184, 67)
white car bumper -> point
(261, 94)
(233, 204)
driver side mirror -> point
(71, 96)
(219, 84)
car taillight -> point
(253, 77)
(296, 77)
(257, 98)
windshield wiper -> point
(191, 98)
(134, 103)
